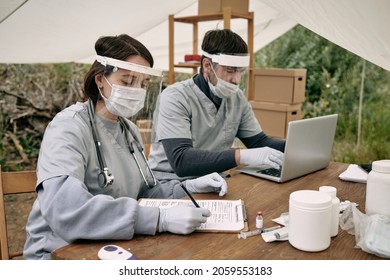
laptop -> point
(309, 144)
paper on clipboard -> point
(226, 215)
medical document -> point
(226, 215)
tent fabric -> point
(359, 26)
(41, 31)
(56, 31)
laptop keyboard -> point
(271, 172)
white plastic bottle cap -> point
(382, 166)
(332, 191)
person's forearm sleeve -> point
(188, 161)
(262, 140)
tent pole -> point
(361, 103)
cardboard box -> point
(216, 6)
(274, 118)
(146, 134)
(144, 123)
(279, 85)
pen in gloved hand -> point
(190, 196)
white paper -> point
(225, 214)
(355, 174)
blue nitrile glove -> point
(209, 183)
(262, 156)
(182, 219)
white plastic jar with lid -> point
(332, 191)
(378, 188)
(310, 214)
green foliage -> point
(30, 96)
(334, 77)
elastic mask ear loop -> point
(100, 91)
(212, 68)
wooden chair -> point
(12, 183)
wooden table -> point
(271, 198)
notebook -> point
(309, 144)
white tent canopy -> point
(41, 31)
(359, 26)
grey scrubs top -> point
(184, 111)
(70, 203)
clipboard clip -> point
(241, 213)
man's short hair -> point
(223, 41)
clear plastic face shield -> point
(133, 75)
(228, 71)
(134, 92)
(230, 64)
(126, 75)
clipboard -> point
(227, 216)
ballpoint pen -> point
(190, 196)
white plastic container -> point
(310, 214)
(378, 188)
(332, 191)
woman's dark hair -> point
(119, 47)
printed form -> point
(226, 215)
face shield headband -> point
(128, 66)
(228, 60)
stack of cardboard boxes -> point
(278, 97)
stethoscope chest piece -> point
(105, 178)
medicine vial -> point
(378, 188)
(332, 191)
(259, 220)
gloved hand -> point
(182, 219)
(209, 183)
(260, 156)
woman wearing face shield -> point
(199, 118)
(91, 168)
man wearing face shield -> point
(197, 120)
(91, 167)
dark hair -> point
(223, 41)
(119, 47)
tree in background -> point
(333, 84)
(30, 96)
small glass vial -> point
(259, 220)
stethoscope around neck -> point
(105, 177)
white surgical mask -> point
(124, 101)
(223, 89)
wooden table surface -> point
(271, 198)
